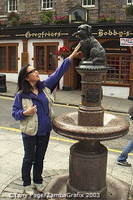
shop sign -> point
(126, 42)
(43, 34)
(112, 33)
(47, 32)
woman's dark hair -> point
(23, 85)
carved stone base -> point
(116, 189)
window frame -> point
(130, 3)
(45, 45)
(109, 79)
(13, 1)
(89, 5)
(6, 69)
(49, 8)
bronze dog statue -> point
(90, 47)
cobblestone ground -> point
(14, 190)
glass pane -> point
(119, 69)
(14, 5)
(51, 5)
(44, 5)
(2, 58)
(47, 4)
(89, 2)
(12, 58)
(40, 59)
(52, 57)
(84, 2)
(93, 2)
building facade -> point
(33, 32)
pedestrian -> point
(122, 158)
(31, 107)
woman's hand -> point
(76, 53)
(30, 111)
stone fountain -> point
(87, 177)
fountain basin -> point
(67, 125)
(88, 158)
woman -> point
(31, 108)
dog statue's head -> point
(90, 47)
(84, 31)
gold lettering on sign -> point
(4, 35)
(113, 32)
(43, 34)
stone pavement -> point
(56, 163)
(57, 157)
(74, 98)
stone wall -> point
(114, 8)
(29, 9)
(63, 6)
(3, 11)
(3, 7)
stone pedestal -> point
(91, 112)
(90, 125)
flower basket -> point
(13, 19)
(61, 19)
(46, 17)
(106, 19)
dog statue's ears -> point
(85, 27)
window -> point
(130, 2)
(8, 57)
(45, 57)
(12, 5)
(47, 4)
(90, 3)
(119, 69)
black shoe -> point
(123, 163)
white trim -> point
(20, 49)
(3, 16)
(10, 11)
(116, 91)
(46, 8)
(88, 6)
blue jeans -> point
(124, 155)
(34, 151)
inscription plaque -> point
(93, 95)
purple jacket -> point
(40, 100)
